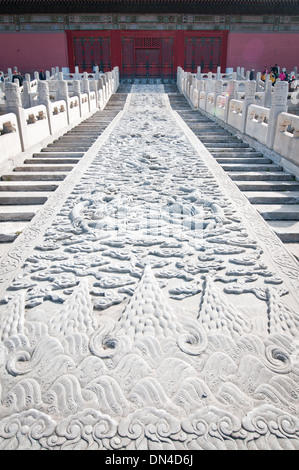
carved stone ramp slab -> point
(23, 185)
(148, 305)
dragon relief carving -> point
(125, 328)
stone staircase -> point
(24, 190)
(272, 191)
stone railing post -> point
(198, 73)
(25, 95)
(96, 72)
(85, 88)
(14, 105)
(268, 94)
(249, 99)
(218, 88)
(117, 76)
(232, 91)
(77, 92)
(77, 74)
(44, 99)
(209, 89)
(279, 105)
(93, 87)
(63, 94)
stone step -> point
(67, 147)
(213, 145)
(268, 185)
(18, 213)
(242, 153)
(231, 151)
(278, 211)
(73, 139)
(208, 132)
(46, 168)
(50, 161)
(249, 160)
(259, 167)
(34, 176)
(286, 230)
(27, 186)
(9, 231)
(23, 198)
(77, 133)
(216, 140)
(59, 154)
(272, 197)
(261, 176)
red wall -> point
(256, 50)
(31, 52)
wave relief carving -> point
(172, 387)
(124, 331)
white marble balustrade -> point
(44, 108)
(260, 113)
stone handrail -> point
(257, 123)
(22, 128)
(286, 141)
(269, 124)
(37, 124)
(10, 140)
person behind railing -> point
(274, 69)
(1, 77)
(264, 73)
(17, 76)
(42, 75)
(272, 78)
(251, 75)
(293, 84)
(282, 75)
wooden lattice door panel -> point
(90, 51)
(145, 56)
(147, 53)
(167, 57)
(204, 52)
(147, 62)
(128, 59)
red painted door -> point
(167, 66)
(147, 63)
(90, 51)
(147, 53)
(204, 52)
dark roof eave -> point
(256, 7)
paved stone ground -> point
(148, 305)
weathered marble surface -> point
(148, 306)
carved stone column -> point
(44, 99)
(85, 88)
(232, 92)
(63, 94)
(14, 105)
(77, 92)
(279, 105)
(249, 99)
